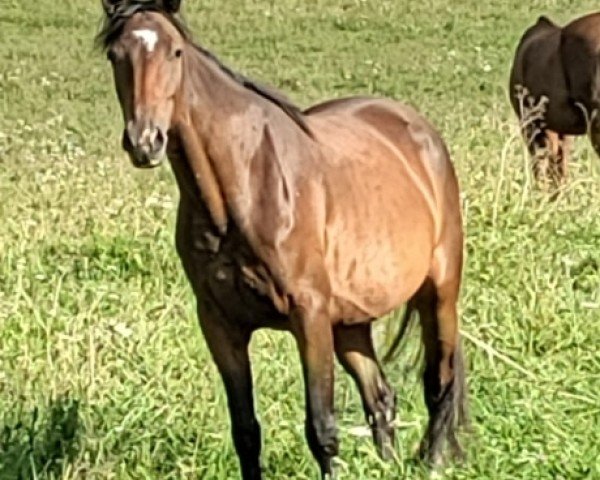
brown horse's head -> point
(145, 47)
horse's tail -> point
(461, 393)
(406, 321)
(592, 112)
(595, 100)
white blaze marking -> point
(148, 37)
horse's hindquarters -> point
(549, 76)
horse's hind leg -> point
(558, 146)
(541, 153)
(443, 377)
(565, 150)
(550, 154)
(354, 349)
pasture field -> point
(103, 371)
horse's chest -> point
(225, 272)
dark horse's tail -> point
(406, 322)
(595, 100)
(460, 397)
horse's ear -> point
(110, 6)
(171, 6)
(544, 20)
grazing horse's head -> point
(145, 46)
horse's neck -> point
(225, 125)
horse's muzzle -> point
(146, 149)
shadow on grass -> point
(40, 443)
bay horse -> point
(555, 89)
(313, 222)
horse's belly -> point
(380, 242)
(374, 278)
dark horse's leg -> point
(443, 377)
(558, 145)
(539, 148)
(228, 345)
(354, 349)
(550, 154)
(566, 143)
(313, 332)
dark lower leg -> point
(535, 139)
(229, 348)
(558, 152)
(439, 399)
(321, 435)
(562, 160)
(542, 158)
(315, 341)
(245, 429)
(440, 379)
(354, 349)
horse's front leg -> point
(228, 345)
(313, 332)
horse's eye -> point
(178, 52)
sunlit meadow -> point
(103, 371)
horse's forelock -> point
(117, 7)
(119, 12)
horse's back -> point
(587, 28)
(393, 121)
(358, 127)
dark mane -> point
(113, 27)
(268, 93)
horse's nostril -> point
(126, 141)
(159, 141)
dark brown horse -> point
(313, 222)
(555, 89)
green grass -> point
(103, 370)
